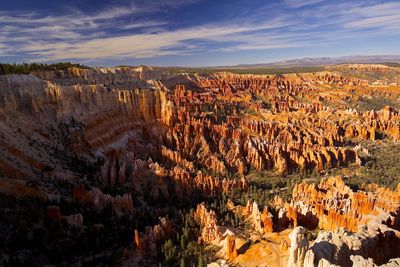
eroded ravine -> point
(137, 146)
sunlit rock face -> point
(139, 143)
(334, 205)
(363, 223)
(210, 231)
(214, 121)
(355, 228)
(298, 247)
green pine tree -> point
(169, 250)
(200, 262)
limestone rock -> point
(207, 219)
(298, 247)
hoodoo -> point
(148, 165)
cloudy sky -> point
(194, 32)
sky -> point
(194, 32)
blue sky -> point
(194, 32)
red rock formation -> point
(137, 243)
(203, 122)
(101, 200)
(79, 193)
(148, 241)
(267, 221)
(176, 158)
(230, 247)
(180, 134)
(53, 213)
(74, 219)
(207, 219)
(261, 221)
(333, 205)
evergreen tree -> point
(200, 262)
(26, 68)
(169, 250)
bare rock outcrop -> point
(101, 200)
(298, 247)
(148, 241)
(230, 247)
(207, 219)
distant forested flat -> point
(245, 70)
(27, 68)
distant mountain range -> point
(322, 61)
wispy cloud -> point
(145, 44)
(301, 3)
(132, 30)
(384, 16)
(79, 36)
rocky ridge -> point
(128, 139)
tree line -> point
(27, 68)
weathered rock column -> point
(298, 247)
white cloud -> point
(384, 16)
(141, 45)
(87, 37)
(78, 36)
(301, 3)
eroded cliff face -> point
(361, 223)
(335, 205)
(137, 143)
(228, 126)
(75, 111)
(224, 123)
(354, 227)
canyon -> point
(118, 162)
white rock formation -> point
(298, 247)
